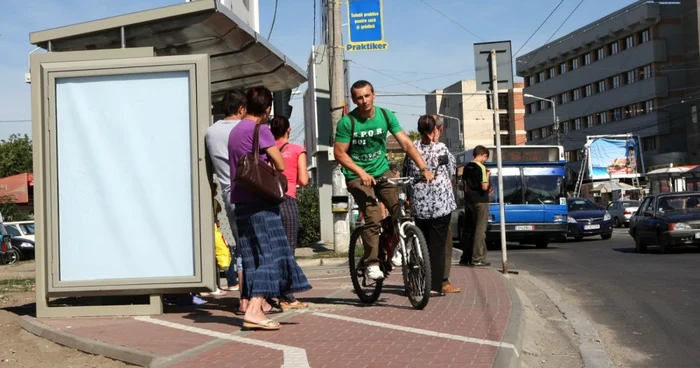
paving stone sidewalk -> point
(480, 327)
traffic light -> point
(281, 103)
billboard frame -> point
(638, 174)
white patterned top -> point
(435, 199)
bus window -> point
(543, 185)
(512, 184)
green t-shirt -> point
(368, 148)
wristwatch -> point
(426, 168)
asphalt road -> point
(650, 303)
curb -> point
(90, 346)
(515, 331)
(319, 262)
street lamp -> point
(460, 127)
(555, 119)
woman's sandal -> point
(295, 305)
(264, 325)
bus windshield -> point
(529, 186)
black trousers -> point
(435, 233)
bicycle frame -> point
(403, 220)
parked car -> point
(621, 211)
(21, 229)
(586, 219)
(667, 220)
(8, 254)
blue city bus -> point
(534, 194)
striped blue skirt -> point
(269, 267)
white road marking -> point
(419, 331)
(332, 278)
(293, 357)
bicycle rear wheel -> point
(367, 290)
(416, 268)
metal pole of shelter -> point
(499, 161)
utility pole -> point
(557, 127)
(341, 223)
(499, 162)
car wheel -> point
(616, 223)
(665, 246)
(578, 238)
(13, 256)
(606, 236)
(639, 245)
(541, 244)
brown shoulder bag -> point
(259, 178)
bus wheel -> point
(541, 244)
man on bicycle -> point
(360, 148)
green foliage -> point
(414, 135)
(10, 211)
(309, 216)
(15, 155)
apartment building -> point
(623, 73)
(468, 118)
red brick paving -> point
(481, 311)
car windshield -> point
(630, 204)
(679, 203)
(581, 204)
(27, 228)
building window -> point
(631, 111)
(577, 124)
(614, 48)
(552, 72)
(587, 59)
(505, 140)
(616, 82)
(649, 106)
(503, 101)
(565, 97)
(574, 64)
(562, 68)
(617, 114)
(603, 117)
(536, 134)
(600, 53)
(565, 127)
(503, 122)
(589, 121)
(601, 86)
(629, 42)
(588, 90)
(645, 36)
(543, 105)
(631, 77)
(649, 143)
(542, 77)
(531, 80)
(545, 132)
(577, 94)
(646, 72)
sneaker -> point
(480, 264)
(397, 259)
(374, 273)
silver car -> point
(621, 211)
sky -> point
(430, 46)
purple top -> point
(240, 143)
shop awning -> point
(239, 57)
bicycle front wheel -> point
(416, 268)
(367, 290)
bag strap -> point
(256, 142)
(284, 145)
(386, 119)
(352, 130)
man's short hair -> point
(232, 102)
(258, 100)
(480, 150)
(360, 84)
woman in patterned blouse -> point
(432, 203)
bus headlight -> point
(560, 218)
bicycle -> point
(410, 242)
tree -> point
(309, 216)
(10, 211)
(413, 135)
(15, 155)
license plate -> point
(591, 227)
(697, 235)
(524, 227)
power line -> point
(426, 78)
(538, 28)
(14, 121)
(564, 22)
(452, 20)
(274, 18)
(387, 75)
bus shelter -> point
(120, 107)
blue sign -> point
(614, 158)
(365, 26)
